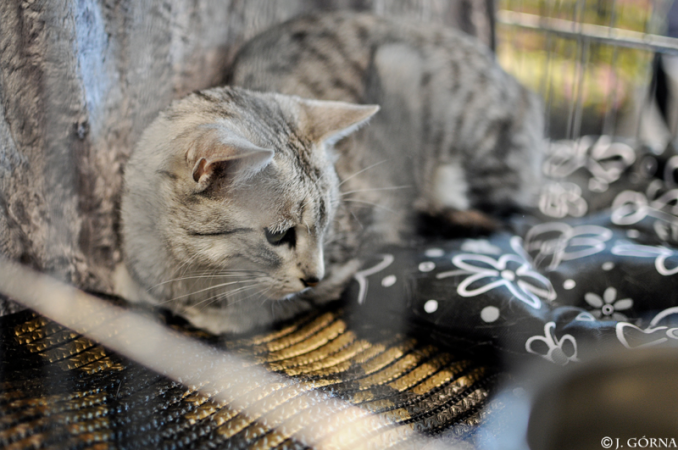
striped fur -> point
(209, 179)
(455, 133)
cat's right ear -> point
(330, 121)
(219, 153)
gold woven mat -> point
(60, 390)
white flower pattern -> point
(361, 276)
(608, 307)
(507, 286)
(480, 246)
(560, 200)
(558, 351)
(630, 207)
(605, 160)
(555, 242)
(511, 271)
(652, 335)
(661, 254)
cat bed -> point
(594, 271)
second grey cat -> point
(237, 241)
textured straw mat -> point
(60, 390)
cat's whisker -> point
(361, 171)
(216, 286)
(357, 220)
(213, 298)
(369, 203)
(336, 238)
(261, 294)
(234, 274)
(240, 300)
(233, 280)
(181, 271)
(303, 205)
(225, 272)
(243, 289)
(274, 305)
(184, 267)
(226, 295)
(376, 189)
(206, 275)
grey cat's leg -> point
(471, 220)
(445, 206)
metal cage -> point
(601, 66)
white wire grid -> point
(591, 61)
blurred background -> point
(601, 66)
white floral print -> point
(558, 351)
(666, 259)
(605, 160)
(648, 337)
(510, 271)
(630, 207)
(554, 242)
(362, 275)
(608, 307)
(630, 336)
(480, 246)
(561, 200)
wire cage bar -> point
(593, 62)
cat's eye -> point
(281, 237)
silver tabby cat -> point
(242, 207)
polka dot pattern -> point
(489, 314)
(434, 253)
(569, 284)
(389, 280)
(426, 266)
(431, 306)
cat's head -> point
(230, 181)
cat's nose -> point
(310, 281)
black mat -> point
(602, 277)
(60, 390)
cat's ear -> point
(219, 152)
(330, 121)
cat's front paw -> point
(452, 223)
(472, 220)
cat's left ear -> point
(219, 152)
(330, 121)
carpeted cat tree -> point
(80, 80)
